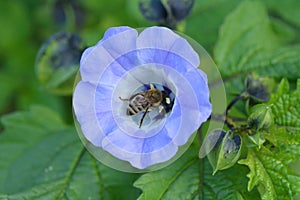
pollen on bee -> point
(168, 100)
(161, 108)
(151, 86)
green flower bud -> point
(166, 12)
(57, 62)
(226, 150)
(258, 88)
(261, 117)
(153, 10)
(65, 13)
(180, 8)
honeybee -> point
(146, 101)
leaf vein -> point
(70, 175)
(179, 172)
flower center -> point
(143, 99)
(149, 104)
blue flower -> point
(125, 63)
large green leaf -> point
(286, 133)
(248, 42)
(245, 32)
(191, 178)
(287, 11)
(271, 175)
(206, 18)
(181, 180)
(228, 184)
(281, 62)
(286, 106)
(42, 158)
(286, 144)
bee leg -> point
(123, 99)
(142, 119)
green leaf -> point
(181, 180)
(280, 62)
(206, 18)
(287, 11)
(271, 175)
(227, 184)
(245, 32)
(286, 144)
(286, 106)
(248, 43)
(254, 140)
(191, 178)
(286, 109)
(42, 158)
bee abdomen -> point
(134, 109)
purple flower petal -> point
(114, 31)
(124, 63)
(91, 66)
(165, 39)
(140, 160)
(83, 101)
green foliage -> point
(244, 34)
(228, 184)
(286, 11)
(281, 62)
(206, 18)
(286, 106)
(184, 180)
(274, 179)
(42, 158)
(269, 169)
(286, 144)
(286, 110)
(181, 180)
(248, 42)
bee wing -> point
(161, 114)
(212, 140)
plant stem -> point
(201, 163)
(234, 101)
(228, 121)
